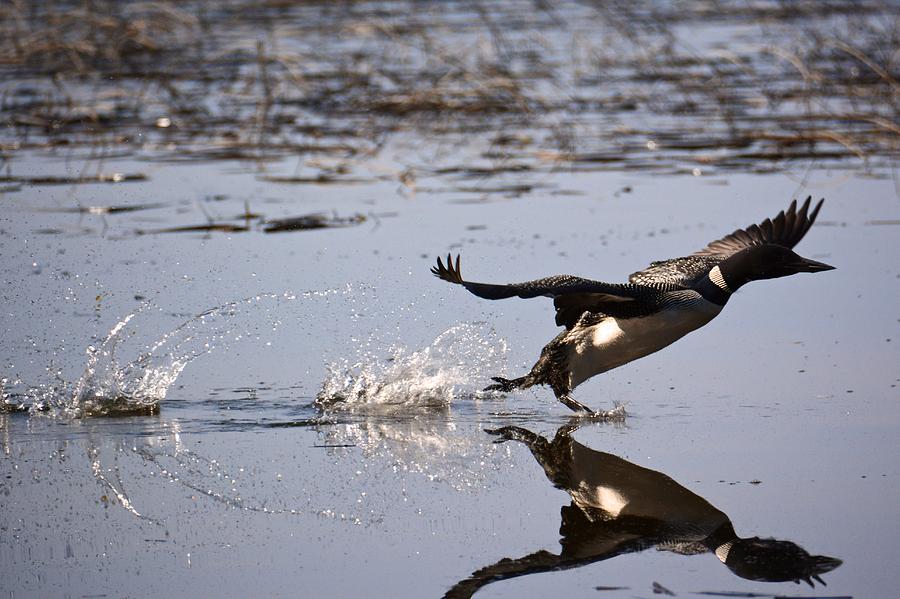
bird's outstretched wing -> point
(572, 296)
(546, 287)
(786, 229)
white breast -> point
(614, 342)
(608, 499)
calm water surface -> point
(782, 414)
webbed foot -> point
(504, 385)
(616, 414)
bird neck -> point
(721, 540)
(735, 271)
(714, 287)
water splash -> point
(386, 395)
(431, 377)
(108, 387)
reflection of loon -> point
(608, 325)
(619, 507)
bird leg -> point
(515, 433)
(574, 405)
(615, 415)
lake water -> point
(237, 377)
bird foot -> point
(614, 415)
(575, 405)
(504, 385)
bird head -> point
(771, 560)
(766, 261)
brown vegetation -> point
(497, 87)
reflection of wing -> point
(506, 568)
(609, 539)
(786, 229)
(573, 296)
(541, 561)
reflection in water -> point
(619, 507)
(145, 465)
(429, 443)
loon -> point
(608, 325)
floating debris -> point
(79, 180)
(481, 171)
(101, 210)
(659, 589)
(207, 228)
(312, 221)
(511, 189)
(321, 179)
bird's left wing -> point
(786, 229)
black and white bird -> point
(611, 324)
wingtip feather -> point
(450, 272)
(815, 212)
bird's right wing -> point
(547, 287)
(573, 308)
(572, 296)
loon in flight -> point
(611, 324)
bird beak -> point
(807, 265)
